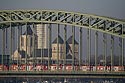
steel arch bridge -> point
(106, 25)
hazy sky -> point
(111, 8)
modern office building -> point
(42, 33)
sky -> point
(110, 8)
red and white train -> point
(54, 67)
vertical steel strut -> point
(65, 45)
(6, 54)
(49, 44)
(42, 49)
(89, 40)
(11, 46)
(34, 39)
(123, 28)
(89, 47)
(19, 32)
(122, 51)
(96, 49)
(13, 37)
(21, 43)
(73, 46)
(58, 56)
(112, 52)
(18, 35)
(3, 48)
(105, 48)
(26, 47)
(80, 56)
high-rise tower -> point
(42, 33)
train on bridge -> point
(55, 67)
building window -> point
(54, 48)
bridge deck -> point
(67, 74)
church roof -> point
(60, 40)
(22, 53)
(69, 41)
(68, 56)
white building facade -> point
(42, 34)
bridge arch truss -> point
(105, 24)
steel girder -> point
(99, 23)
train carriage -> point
(53, 67)
(30, 67)
(118, 68)
(85, 68)
(22, 67)
(3, 67)
(14, 67)
(101, 68)
(38, 68)
(69, 67)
